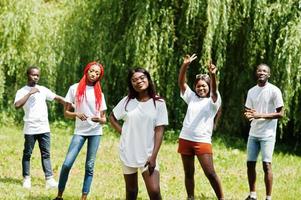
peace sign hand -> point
(212, 68)
(188, 59)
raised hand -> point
(188, 59)
(212, 68)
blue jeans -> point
(44, 144)
(75, 146)
(266, 145)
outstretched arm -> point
(182, 74)
(213, 85)
(60, 99)
(24, 99)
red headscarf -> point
(81, 88)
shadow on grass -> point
(9, 180)
(204, 197)
(50, 197)
(42, 197)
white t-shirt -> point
(264, 100)
(199, 119)
(87, 127)
(35, 109)
(137, 135)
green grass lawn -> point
(229, 160)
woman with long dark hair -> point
(144, 114)
(86, 103)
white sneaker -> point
(51, 183)
(27, 182)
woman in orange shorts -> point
(195, 137)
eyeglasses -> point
(142, 77)
(202, 76)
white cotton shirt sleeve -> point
(49, 94)
(187, 95)
(162, 116)
(248, 103)
(21, 93)
(119, 110)
(278, 100)
(217, 103)
(70, 96)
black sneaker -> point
(250, 198)
(58, 198)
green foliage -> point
(62, 36)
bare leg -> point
(131, 186)
(188, 164)
(60, 194)
(252, 175)
(206, 162)
(152, 183)
(268, 177)
(84, 196)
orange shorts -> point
(190, 148)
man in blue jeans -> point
(32, 98)
(263, 107)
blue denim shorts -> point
(266, 145)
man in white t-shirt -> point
(263, 107)
(32, 98)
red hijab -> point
(81, 88)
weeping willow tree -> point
(29, 35)
(62, 36)
(269, 32)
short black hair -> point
(265, 65)
(31, 68)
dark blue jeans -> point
(75, 146)
(44, 144)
